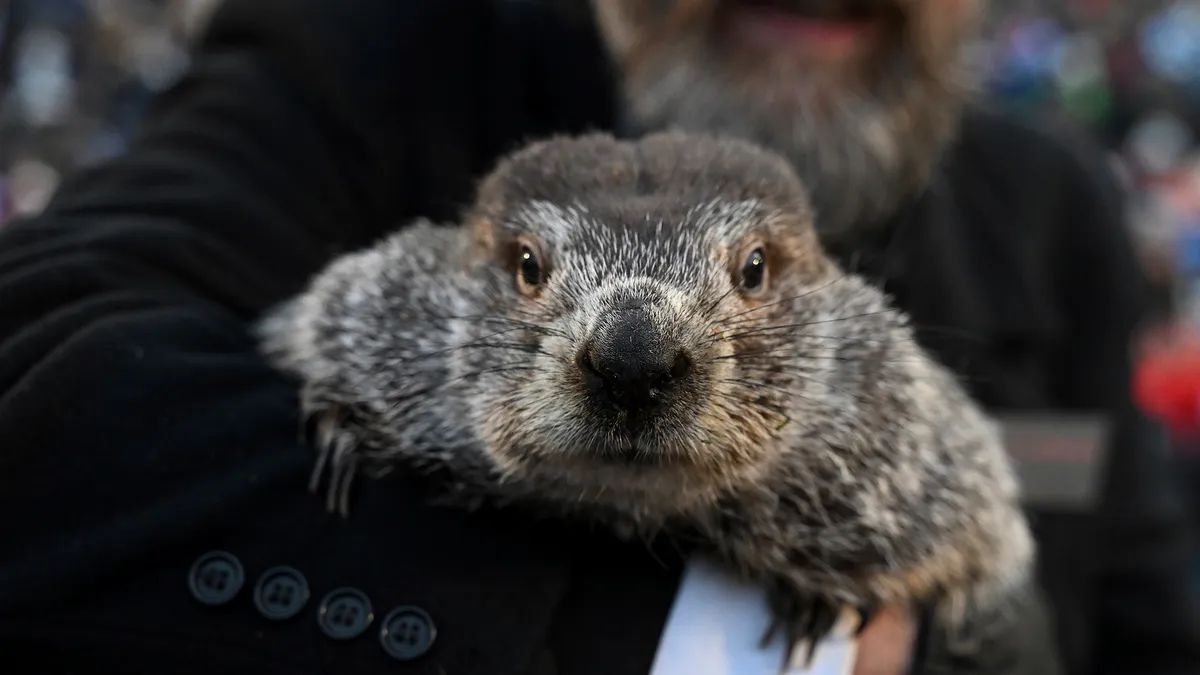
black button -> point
(407, 633)
(344, 613)
(280, 593)
(216, 577)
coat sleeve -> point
(127, 375)
(1147, 609)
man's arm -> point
(125, 364)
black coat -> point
(139, 429)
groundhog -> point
(647, 334)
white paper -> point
(715, 626)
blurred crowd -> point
(76, 75)
(1129, 72)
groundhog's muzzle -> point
(631, 367)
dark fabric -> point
(1017, 271)
(140, 429)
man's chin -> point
(870, 127)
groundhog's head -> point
(643, 325)
(660, 275)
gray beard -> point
(861, 158)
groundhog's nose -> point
(629, 364)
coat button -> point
(216, 577)
(280, 593)
(344, 613)
(407, 633)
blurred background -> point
(76, 76)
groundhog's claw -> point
(800, 618)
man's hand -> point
(885, 646)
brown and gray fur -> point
(813, 444)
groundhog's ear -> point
(482, 238)
(795, 246)
(481, 232)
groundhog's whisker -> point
(444, 350)
(487, 371)
(408, 396)
(715, 303)
(781, 383)
(523, 362)
(490, 318)
(513, 346)
(792, 326)
(778, 411)
(776, 408)
(524, 325)
(771, 364)
(916, 329)
(865, 342)
(784, 366)
(841, 341)
(545, 309)
(849, 359)
(757, 385)
(726, 319)
(774, 349)
(857, 397)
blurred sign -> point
(1059, 458)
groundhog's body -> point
(648, 334)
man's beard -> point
(863, 146)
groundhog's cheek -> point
(502, 431)
(531, 417)
(730, 412)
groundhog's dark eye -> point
(754, 270)
(530, 267)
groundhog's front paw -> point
(802, 618)
(327, 431)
